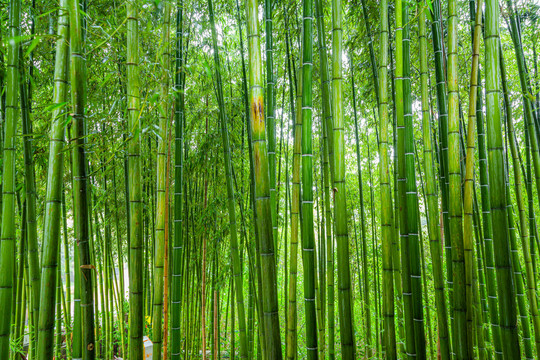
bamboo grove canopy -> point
(293, 179)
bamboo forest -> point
(283, 179)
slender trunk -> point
(161, 178)
(340, 195)
(8, 231)
(53, 202)
(432, 197)
(262, 189)
(80, 179)
(235, 252)
(136, 243)
(308, 233)
(505, 288)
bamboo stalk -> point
(8, 230)
(506, 290)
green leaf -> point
(53, 107)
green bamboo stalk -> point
(442, 105)
(54, 197)
(325, 82)
(235, 253)
(292, 332)
(414, 240)
(491, 283)
(328, 172)
(58, 316)
(262, 189)
(469, 176)
(506, 290)
(396, 259)
(136, 272)
(8, 230)
(386, 195)
(365, 282)
(77, 313)
(525, 86)
(373, 235)
(162, 201)
(270, 115)
(401, 56)
(80, 179)
(340, 195)
(432, 196)
(530, 199)
(531, 283)
(18, 315)
(308, 233)
(518, 274)
(67, 257)
(372, 59)
(459, 300)
(178, 245)
(30, 196)
(29, 179)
